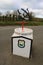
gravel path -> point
(5, 47)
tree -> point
(8, 16)
(31, 16)
(0, 16)
(0, 13)
(15, 15)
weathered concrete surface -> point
(5, 47)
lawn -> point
(30, 23)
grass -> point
(30, 23)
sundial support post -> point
(22, 23)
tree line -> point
(19, 16)
(16, 15)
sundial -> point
(22, 40)
(25, 17)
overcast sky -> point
(33, 5)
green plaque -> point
(21, 43)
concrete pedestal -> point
(21, 42)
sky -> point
(35, 6)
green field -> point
(30, 23)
